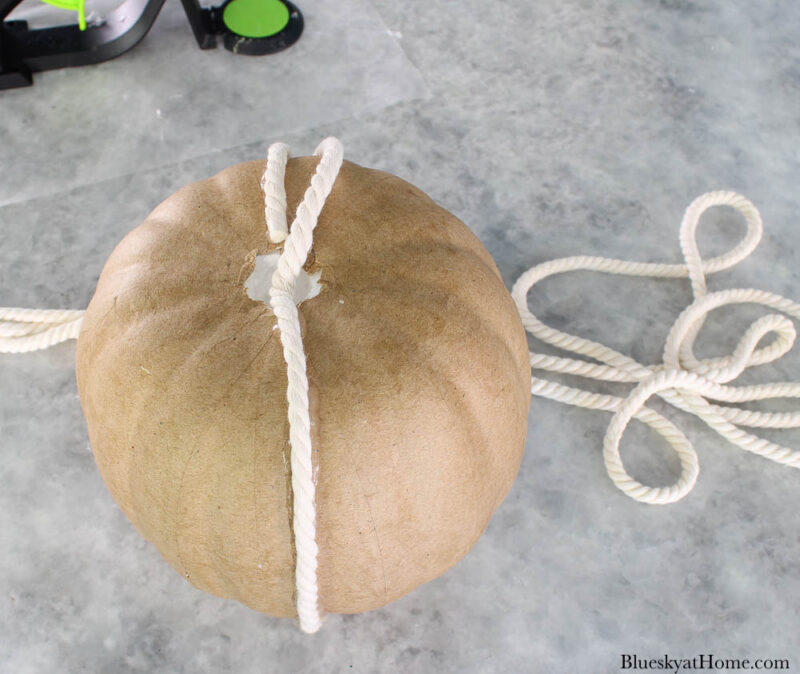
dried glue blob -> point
(418, 377)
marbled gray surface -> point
(551, 129)
(179, 104)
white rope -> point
(682, 380)
(31, 329)
(23, 330)
(296, 246)
(272, 184)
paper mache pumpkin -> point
(418, 388)
(320, 418)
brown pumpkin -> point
(419, 384)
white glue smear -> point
(258, 283)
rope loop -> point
(682, 379)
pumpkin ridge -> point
(230, 217)
(415, 360)
(162, 251)
(403, 298)
(153, 244)
(202, 203)
(127, 325)
(433, 368)
(180, 496)
(374, 529)
(446, 246)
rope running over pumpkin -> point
(682, 380)
(296, 246)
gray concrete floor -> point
(550, 129)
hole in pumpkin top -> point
(258, 283)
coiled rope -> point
(682, 380)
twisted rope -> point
(682, 380)
(272, 184)
(23, 330)
(31, 329)
(296, 246)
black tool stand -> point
(24, 51)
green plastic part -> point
(73, 5)
(255, 18)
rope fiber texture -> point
(23, 330)
(297, 243)
(682, 380)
